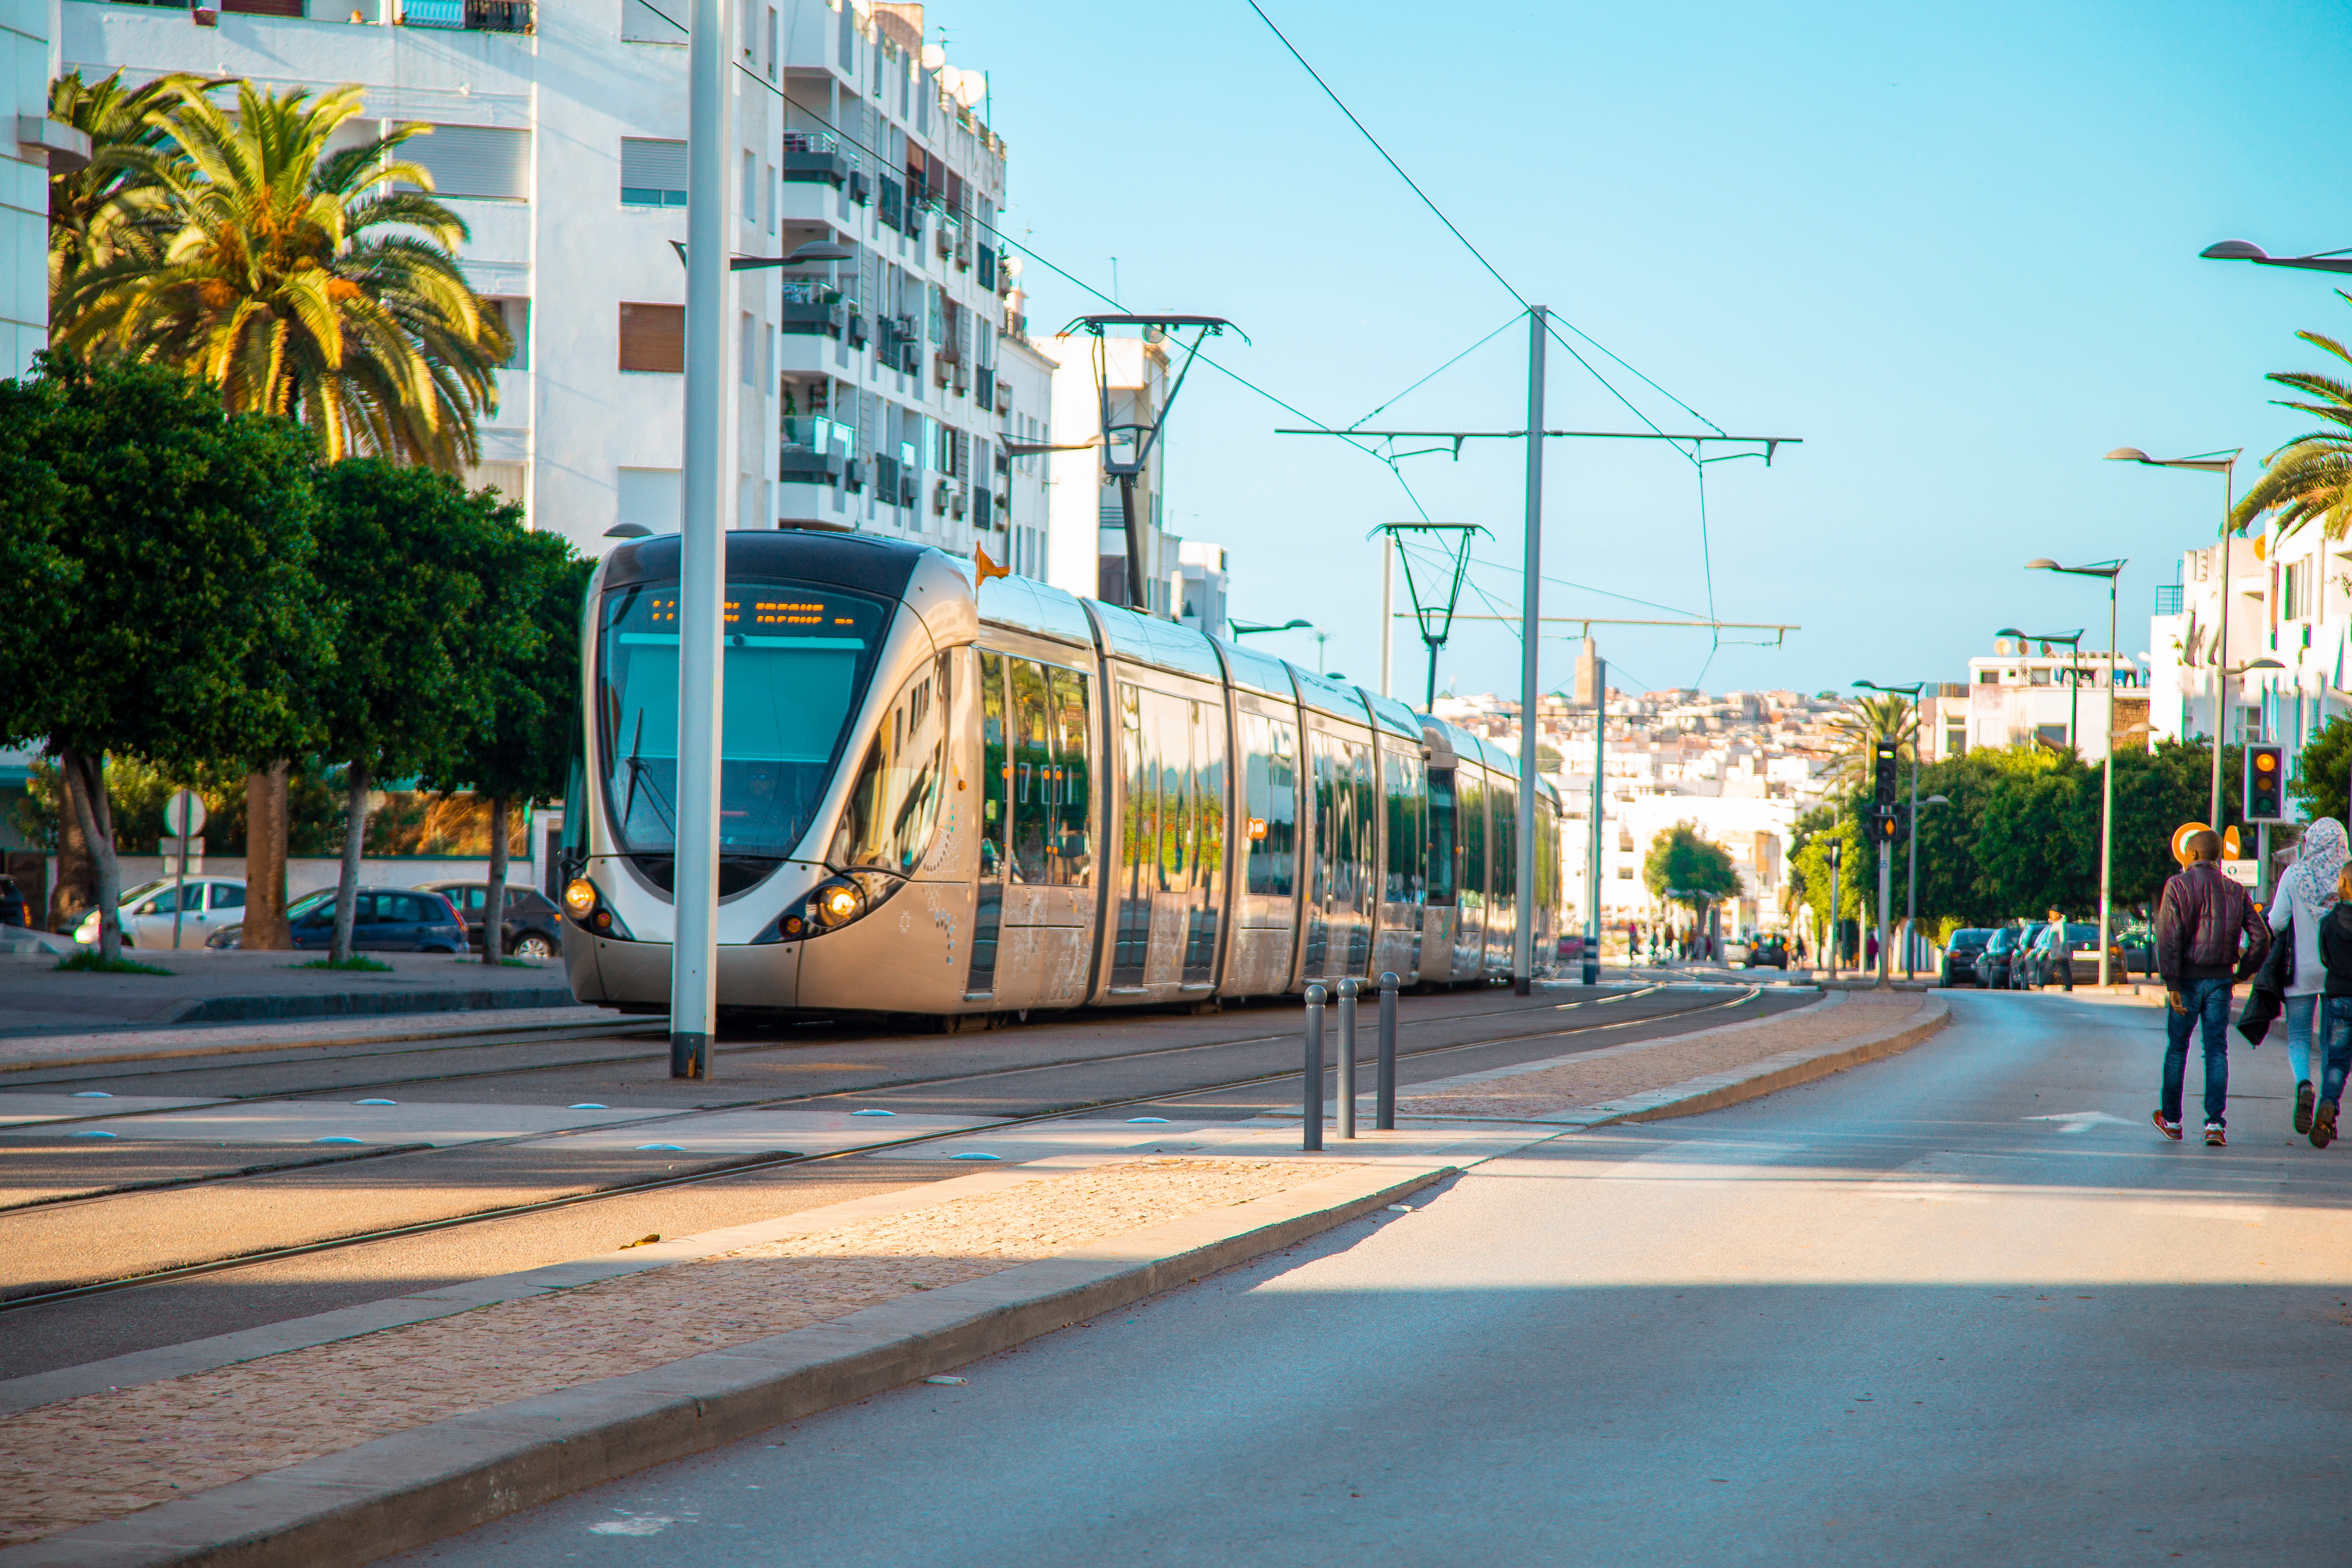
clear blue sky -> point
(1954, 249)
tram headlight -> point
(580, 897)
(839, 900)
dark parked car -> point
(12, 904)
(527, 920)
(1769, 947)
(1961, 956)
(2043, 964)
(1998, 959)
(384, 920)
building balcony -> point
(811, 156)
(2168, 599)
(813, 317)
(470, 16)
(797, 464)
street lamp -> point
(2245, 250)
(1251, 629)
(2223, 463)
(1885, 965)
(2112, 572)
(2074, 641)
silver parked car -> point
(201, 906)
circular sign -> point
(2181, 839)
(184, 815)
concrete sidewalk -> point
(38, 999)
(356, 1434)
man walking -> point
(2208, 936)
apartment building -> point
(2033, 691)
(2290, 607)
(869, 388)
(33, 147)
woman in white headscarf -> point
(2305, 893)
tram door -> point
(995, 778)
(1341, 884)
(1173, 836)
(1265, 910)
(1397, 947)
(1502, 879)
(1470, 827)
(1049, 893)
(1441, 911)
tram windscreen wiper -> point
(636, 763)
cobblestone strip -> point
(106, 1455)
(1607, 1075)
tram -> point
(973, 802)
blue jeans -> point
(2300, 1017)
(2205, 1003)
(2336, 1042)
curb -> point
(1700, 1095)
(407, 1490)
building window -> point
(653, 173)
(750, 186)
(516, 314)
(481, 161)
(653, 338)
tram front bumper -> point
(634, 975)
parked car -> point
(527, 920)
(13, 911)
(1961, 956)
(1769, 949)
(203, 904)
(384, 920)
(2043, 964)
(1997, 963)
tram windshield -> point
(798, 660)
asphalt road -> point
(1959, 1307)
(1074, 1062)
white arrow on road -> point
(2082, 1121)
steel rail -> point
(423, 1227)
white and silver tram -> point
(959, 804)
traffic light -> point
(1883, 755)
(2265, 792)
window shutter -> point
(653, 338)
(653, 172)
(474, 161)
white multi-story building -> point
(2290, 602)
(2033, 691)
(867, 387)
(34, 146)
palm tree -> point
(116, 199)
(2310, 479)
(302, 282)
(1857, 734)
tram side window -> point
(1139, 829)
(1506, 879)
(895, 804)
(1168, 721)
(995, 764)
(1270, 774)
(1032, 770)
(1070, 861)
(1470, 812)
(1441, 837)
(1209, 791)
(1401, 778)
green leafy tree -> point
(411, 562)
(2324, 771)
(297, 278)
(524, 752)
(2309, 479)
(1808, 864)
(1688, 869)
(189, 534)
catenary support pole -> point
(1523, 931)
(1829, 948)
(1911, 856)
(1387, 608)
(1592, 848)
(1346, 1092)
(1384, 1084)
(693, 979)
(2107, 803)
(1310, 1097)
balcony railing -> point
(814, 157)
(470, 16)
(2168, 598)
(809, 465)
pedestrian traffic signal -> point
(1883, 757)
(2265, 793)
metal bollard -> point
(1311, 1126)
(1347, 1084)
(1384, 1105)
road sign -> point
(184, 814)
(2245, 873)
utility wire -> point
(1441, 370)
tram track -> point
(707, 1174)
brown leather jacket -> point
(2200, 923)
